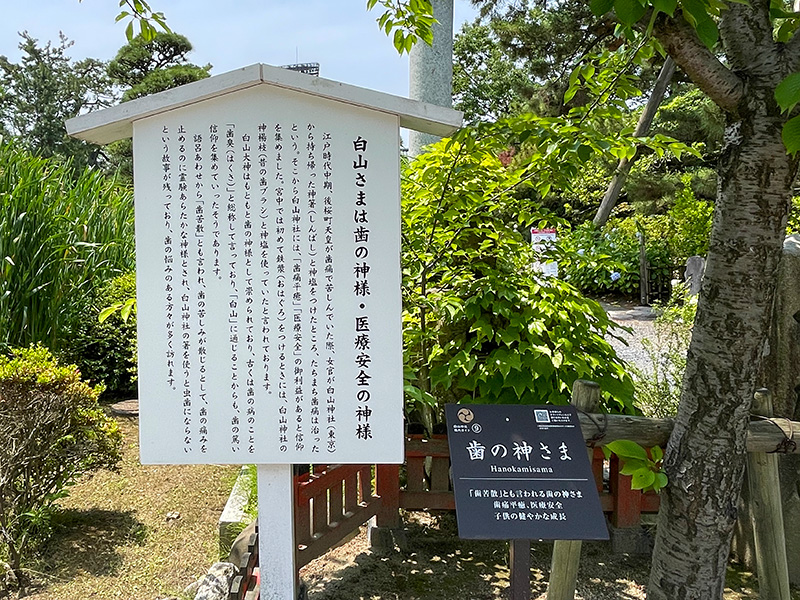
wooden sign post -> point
(521, 472)
(268, 277)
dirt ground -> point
(116, 540)
(142, 533)
(434, 564)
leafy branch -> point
(139, 11)
(643, 467)
(410, 20)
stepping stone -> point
(126, 408)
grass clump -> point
(62, 234)
(658, 384)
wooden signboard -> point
(268, 281)
(268, 277)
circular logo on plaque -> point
(476, 428)
(465, 415)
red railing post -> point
(388, 488)
(627, 507)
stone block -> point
(381, 540)
(630, 540)
(234, 518)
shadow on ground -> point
(88, 541)
(431, 562)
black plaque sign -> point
(522, 472)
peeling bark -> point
(706, 452)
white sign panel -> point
(543, 240)
(268, 275)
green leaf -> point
(632, 465)
(519, 381)
(585, 152)
(627, 449)
(791, 135)
(601, 7)
(643, 478)
(108, 311)
(128, 306)
(399, 40)
(696, 13)
(629, 11)
(656, 453)
(786, 30)
(708, 32)
(666, 6)
(660, 482)
(413, 391)
(776, 11)
(787, 94)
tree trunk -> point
(642, 127)
(706, 452)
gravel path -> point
(640, 320)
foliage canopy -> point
(60, 236)
(44, 89)
(479, 324)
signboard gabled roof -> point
(116, 123)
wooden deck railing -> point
(331, 501)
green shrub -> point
(479, 325)
(606, 261)
(61, 234)
(794, 217)
(106, 351)
(689, 224)
(52, 432)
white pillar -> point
(276, 548)
(431, 70)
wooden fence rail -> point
(763, 435)
(330, 503)
(428, 485)
(333, 500)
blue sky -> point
(339, 34)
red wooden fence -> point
(332, 501)
(245, 585)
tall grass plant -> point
(62, 233)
